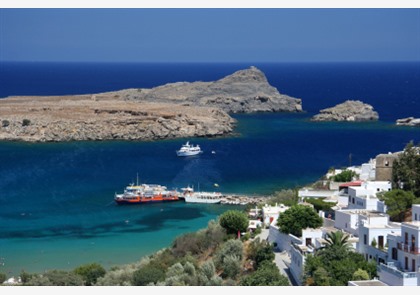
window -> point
(413, 265)
(415, 216)
(365, 239)
(394, 254)
(386, 163)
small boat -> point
(190, 196)
(188, 150)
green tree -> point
(406, 169)
(344, 176)
(266, 275)
(398, 202)
(90, 273)
(260, 251)
(147, 274)
(234, 221)
(339, 263)
(296, 218)
(338, 239)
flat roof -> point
(369, 283)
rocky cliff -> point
(410, 121)
(85, 117)
(350, 110)
(244, 91)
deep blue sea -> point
(56, 199)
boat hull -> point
(143, 200)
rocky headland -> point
(176, 110)
(350, 111)
(410, 121)
(244, 91)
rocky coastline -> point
(349, 111)
(410, 121)
(176, 110)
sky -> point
(209, 34)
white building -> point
(374, 227)
(364, 196)
(271, 213)
(402, 266)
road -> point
(281, 259)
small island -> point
(410, 121)
(349, 111)
(175, 110)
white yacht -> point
(189, 150)
(190, 196)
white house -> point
(271, 213)
(402, 266)
(374, 227)
(364, 196)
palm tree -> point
(337, 239)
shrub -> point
(230, 248)
(360, 275)
(267, 275)
(5, 123)
(146, 275)
(296, 218)
(26, 122)
(56, 278)
(90, 273)
(344, 176)
(231, 266)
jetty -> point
(235, 199)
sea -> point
(56, 199)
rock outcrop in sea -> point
(244, 91)
(350, 110)
(410, 121)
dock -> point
(233, 199)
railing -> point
(408, 248)
(391, 268)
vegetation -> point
(345, 176)
(296, 218)
(234, 221)
(3, 278)
(55, 278)
(90, 273)
(398, 202)
(147, 274)
(286, 197)
(360, 275)
(260, 252)
(406, 170)
(335, 266)
(338, 239)
(26, 122)
(320, 204)
(266, 275)
(5, 123)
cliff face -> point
(350, 110)
(70, 118)
(244, 91)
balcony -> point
(392, 268)
(408, 248)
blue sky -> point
(210, 34)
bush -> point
(230, 248)
(267, 275)
(360, 275)
(5, 123)
(344, 176)
(26, 122)
(90, 273)
(56, 278)
(231, 266)
(146, 275)
(298, 217)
